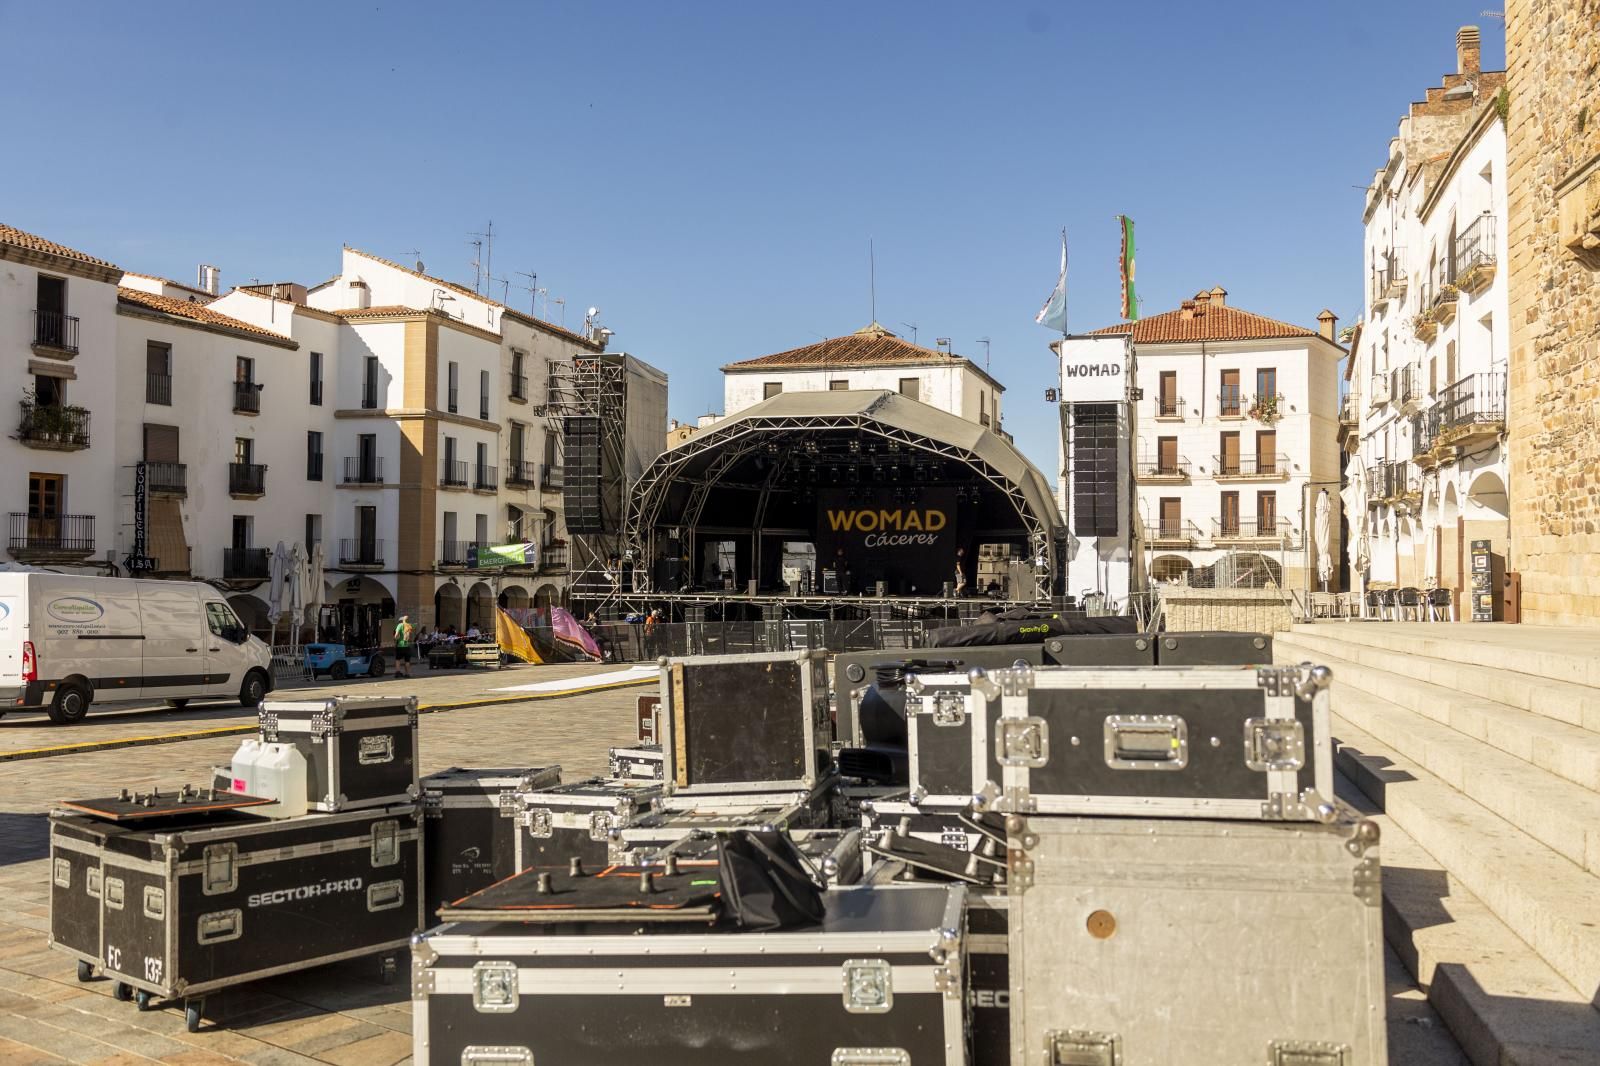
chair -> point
(1373, 605)
(1390, 606)
(1441, 605)
(1409, 601)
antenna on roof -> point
(477, 265)
(417, 256)
(985, 342)
(872, 277)
(912, 326)
(531, 288)
(562, 300)
(487, 245)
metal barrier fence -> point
(638, 642)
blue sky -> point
(710, 175)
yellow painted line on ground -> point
(240, 730)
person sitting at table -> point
(473, 633)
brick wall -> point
(1553, 61)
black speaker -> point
(581, 474)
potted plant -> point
(1422, 325)
(1444, 305)
(1265, 409)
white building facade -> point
(1234, 439)
(1425, 415)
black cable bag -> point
(764, 882)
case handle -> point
(1146, 742)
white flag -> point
(1054, 312)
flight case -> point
(1184, 742)
(470, 827)
(360, 751)
(1213, 649)
(855, 672)
(179, 910)
(1153, 941)
(580, 820)
(948, 726)
(878, 983)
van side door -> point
(174, 645)
(226, 638)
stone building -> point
(1552, 106)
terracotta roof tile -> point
(381, 311)
(1211, 323)
(540, 323)
(194, 311)
(12, 235)
(169, 281)
(869, 346)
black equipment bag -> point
(1032, 630)
(764, 882)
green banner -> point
(488, 557)
(1130, 301)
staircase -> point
(1477, 747)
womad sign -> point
(910, 546)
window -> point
(244, 370)
(1228, 460)
(51, 325)
(160, 443)
(1167, 455)
(1450, 363)
(483, 395)
(1167, 398)
(842, 385)
(158, 373)
(1093, 471)
(450, 450)
(316, 379)
(518, 443)
(241, 532)
(1171, 517)
(1229, 396)
(244, 450)
(552, 457)
(771, 389)
(313, 531)
(313, 455)
(911, 388)
(367, 458)
(1266, 512)
(49, 391)
(1267, 451)
(220, 619)
(482, 530)
(1266, 382)
(367, 532)
(449, 535)
(51, 295)
(46, 495)
(1229, 522)
(455, 388)
(983, 409)
(369, 383)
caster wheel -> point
(191, 1014)
(85, 971)
(142, 999)
(121, 992)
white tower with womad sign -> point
(1095, 479)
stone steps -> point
(1565, 750)
(1502, 1002)
(1514, 676)
(1558, 813)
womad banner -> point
(910, 546)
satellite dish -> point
(593, 311)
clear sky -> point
(710, 174)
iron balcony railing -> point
(485, 477)
(169, 479)
(1477, 399)
(1157, 467)
(1229, 401)
(457, 552)
(1167, 407)
(553, 558)
(1251, 528)
(247, 479)
(1395, 480)
(454, 472)
(551, 477)
(1172, 532)
(1422, 433)
(55, 425)
(1475, 245)
(246, 397)
(519, 386)
(1268, 465)
(363, 470)
(158, 389)
(52, 329)
(52, 533)
(1407, 385)
(246, 564)
(360, 551)
(521, 472)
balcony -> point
(457, 553)
(247, 480)
(553, 559)
(485, 478)
(1472, 411)
(53, 427)
(519, 388)
(1169, 409)
(51, 538)
(1475, 255)
(522, 474)
(158, 389)
(362, 552)
(1397, 484)
(1273, 466)
(246, 398)
(363, 470)
(1230, 403)
(246, 564)
(1172, 535)
(1408, 391)
(1350, 409)
(1422, 427)
(55, 334)
(1443, 304)
(166, 479)
(454, 474)
(1273, 531)
(551, 478)
(1159, 470)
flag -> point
(513, 639)
(1130, 302)
(1054, 312)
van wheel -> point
(377, 667)
(253, 691)
(177, 705)
(70, 705)
(339, 670)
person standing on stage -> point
(961, 573)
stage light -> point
(855, 447)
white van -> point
(68, 641)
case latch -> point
(375, 748)
(868, 986)
(1307, 1053)
(1274, 744)
(870, 1056)
(1081, 1047)
(385, 843)
(538, 822)
(1023, 741)
(221, 873)
(949, 708)
(600, 826)
(494, 987)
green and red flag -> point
(1130, 301)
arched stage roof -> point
(768, 449)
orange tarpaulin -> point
(513, 639)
